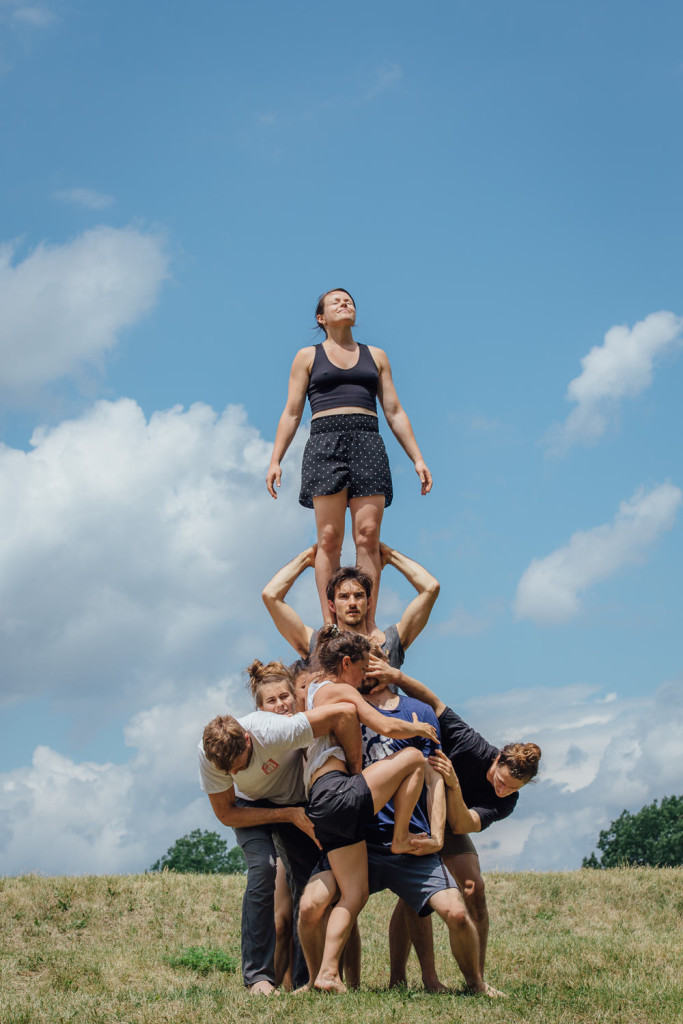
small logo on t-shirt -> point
(269, 766)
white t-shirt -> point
(275, 771)
(323, 747)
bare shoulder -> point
(304, 357)
(380, 357)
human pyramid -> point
(338, 785)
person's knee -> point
(454, 913)
(366, 533)
(330, 538)
(283, 926)
(261, 870)
(312, 908)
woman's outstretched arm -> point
(291, 416)
(398, 419)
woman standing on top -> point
(345, 462)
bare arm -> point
(395, 728)
(341, 718)
(384, 674)
(227, 812)
(291, 416)
(288, 623)
(416, 614)
(461, 819)
(397, 418)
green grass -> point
(589, 946)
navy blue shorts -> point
(340, 806)
(345, 452)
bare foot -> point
(485, 990)
(262, 988)
(405, 844)
(434, 985)
(398, 982)
(420, 847)
(330, 983)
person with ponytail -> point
(341, 806)
(251, 768)
(482, 787)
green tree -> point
(202, 853)
(652, 836)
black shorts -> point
(345, 451)
(340, 806)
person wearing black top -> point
(345, 462)
(482, 786)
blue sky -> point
(499, 187)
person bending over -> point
(252, 770)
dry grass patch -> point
(593, 946)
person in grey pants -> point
(251, 770)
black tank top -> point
(330, 387)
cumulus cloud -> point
(64, 306)
(622, 367)
(87, 197)
(133, 551)
(601, 755)
(65, 817)
(549, 589)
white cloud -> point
(620, 368)
(600, 757)
(64, 817)
(87, 197)
(65, 305)
(549, 589)
(133, 552)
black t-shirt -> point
(472, 755)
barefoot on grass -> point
(263, 988)
(330, 984)
(485, 990)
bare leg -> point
(401, 776)
(366, 519)
(330, 512)
(465, 869)
(351, 958)
(407, 926)
(350, 867)
(464, 941)
(316, 899)
(283, 930)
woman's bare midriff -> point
(344, 410)
(333, 764)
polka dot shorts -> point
(345, 451)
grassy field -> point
(585, 946)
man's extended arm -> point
(288, 623)
(461, 819)
(227, 812)
(415, 616)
